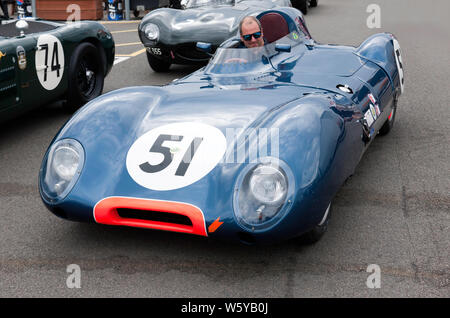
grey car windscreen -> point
(206, 3)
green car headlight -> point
(263, 193)
(61, 169)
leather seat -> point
(274, 26)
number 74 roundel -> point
(175, 155)
(49, 61)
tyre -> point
(387, 126)
(314, 3)
(156, 64)
(302, 5)
(319, 230)
(86, 76)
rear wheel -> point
(156, 64)
(314, 3)
(86, 76)
(387, 126)
(302, 5)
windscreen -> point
(206, 3)
(230, 60)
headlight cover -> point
(61, 168)
(263, 193)
(151, 31)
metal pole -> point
(33, 7)
(127, 9)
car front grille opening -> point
(156, 216)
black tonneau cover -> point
(9, 29)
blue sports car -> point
(251, 148)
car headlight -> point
(268, 184)
(263, 193)
(61, 169)
(151, 31)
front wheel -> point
(319, 230)
(156, 64)
(387, 126)
(86, 76)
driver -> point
(251, 33)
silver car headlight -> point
(151, 31)
(268, 184)
(263, 193)
(61, 169)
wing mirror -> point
(309, 44)
(283, 47)
(204, 47)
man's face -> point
(248, 28)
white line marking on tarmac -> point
(123, 31)
(120, 59)
(132, 54)
(128, 44)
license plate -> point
(155, 51)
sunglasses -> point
(248, 37)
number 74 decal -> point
(49, 61)
(55, 66)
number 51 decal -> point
(175, 155)
(168, 156)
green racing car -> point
(42, 61)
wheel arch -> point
(379, 49)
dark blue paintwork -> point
(320, 129)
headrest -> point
(274, 26)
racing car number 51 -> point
(175, 155)
(168, 156)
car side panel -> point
(9, 89)
(33, 92)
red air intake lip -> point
(105, 212)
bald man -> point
(251, 32)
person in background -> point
(4, 7)
(175, 4)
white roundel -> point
(175, 155)
(49, 61)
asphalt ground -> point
(394, 212)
